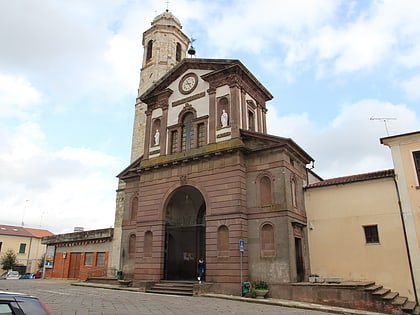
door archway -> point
(184, 233)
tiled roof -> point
(353, 178)
(12, 230)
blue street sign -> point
(241, 245)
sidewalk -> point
(269, 301)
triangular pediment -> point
(255, 141)
(211, 69)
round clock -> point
(188, 83)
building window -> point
(201, 137)
(149, 50)
(416, 157)
(187, 132)
(267, 244)
(265, 191)
(223, 241)
(371, 234)
(174, 141)
(178, 52)
(88, 259)
(1, 243)
(148, 240)
(100, 259)
(22, 248)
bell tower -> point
(164, 46)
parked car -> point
(12, 275)
(21, 304)
(38, 274)
(28, 275)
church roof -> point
(218, 67)
(263, 141)
(168, 19)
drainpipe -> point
(405, 239)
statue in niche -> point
(157, 137)
(224, 119)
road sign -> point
(241, 245)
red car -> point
(38, 274)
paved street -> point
(64, 299)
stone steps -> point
(397, 301)
(172, 287)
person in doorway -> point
(201, 270)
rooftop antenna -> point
(191, 50)
(384, 119)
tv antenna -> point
(384, 119)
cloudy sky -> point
(69, 72)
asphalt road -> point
(64, 299)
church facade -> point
(206, 177)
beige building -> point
(356, 231)
(405, 150)
(26, 243)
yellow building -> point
(356, 231)
(405, 150)
(26, 243)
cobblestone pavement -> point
(64, 299)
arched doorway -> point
(184, 233)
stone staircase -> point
(392, 300)
(363, 295)
(172, 287)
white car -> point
(12, 275)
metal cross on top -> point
(167, 5)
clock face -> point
(188, 83)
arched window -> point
(132, 245)
(148, 239)
(178, 52)
(223, 241)
(187, 131)
(134, 208)
(267, 243)
(265, 191)
(149, 50)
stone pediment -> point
(255, 141)
(220, 72)
(131, 170)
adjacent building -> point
(79, 255)
(26, 243)
(405, 150)
(356, 231)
